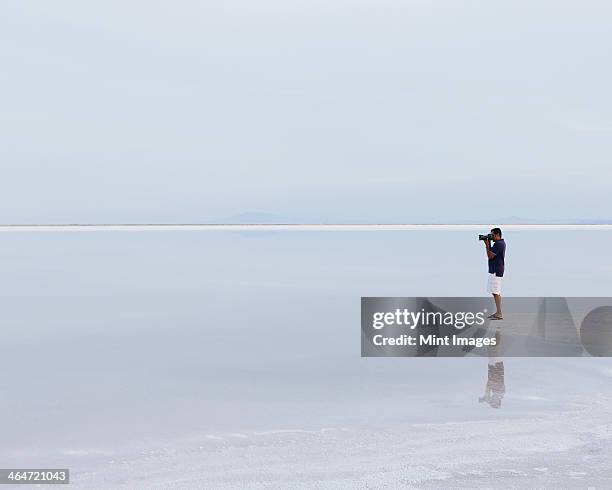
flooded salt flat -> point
(120, 342)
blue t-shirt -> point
(496, 264)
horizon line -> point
(292, 226)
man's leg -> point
(497, 298)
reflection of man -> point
(495, 255)
(496, 386)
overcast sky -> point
(379, 110)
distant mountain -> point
(516, 220)
(253, 218)
(256, 217)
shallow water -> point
(118, 341)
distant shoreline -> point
(291, 227)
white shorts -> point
(494, 284)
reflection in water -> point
(496, 386)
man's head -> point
(497, 234)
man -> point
(495, 256)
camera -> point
(488, 237)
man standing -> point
(495, 255)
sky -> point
(336, 111)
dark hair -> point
(496, 231)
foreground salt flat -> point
(565, 449)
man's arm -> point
(490, 253)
